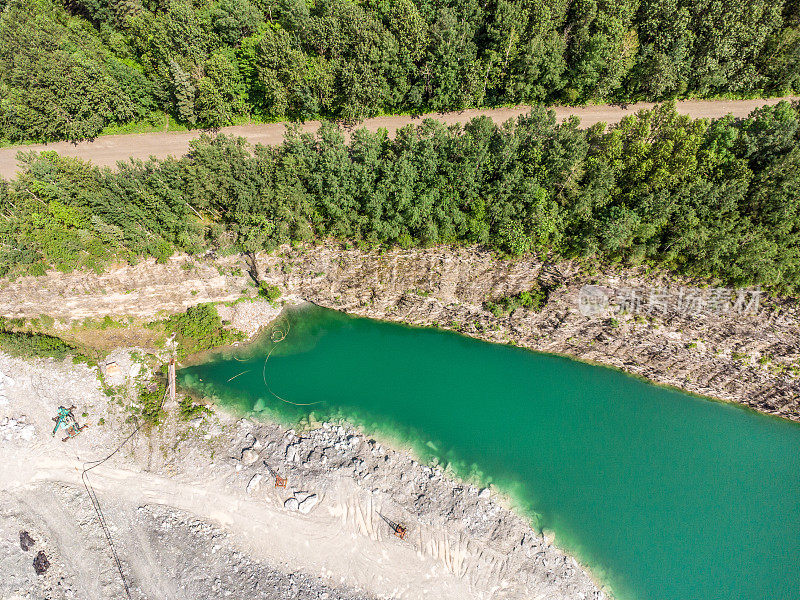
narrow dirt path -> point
(108, 150)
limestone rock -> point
(306, 505)
(255, 484)
(249, 456)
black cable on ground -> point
(96, 504)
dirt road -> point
(108, 150)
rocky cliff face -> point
(722, 343)
(673, 331)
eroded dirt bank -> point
(747, 356)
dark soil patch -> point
(26, 542)
(40, 563)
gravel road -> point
(108, 150)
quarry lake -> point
(661, 494)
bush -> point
(533, 299)
(268, 291)
(200, 328)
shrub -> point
(269, 291)
(533, 299)
(200, 328)
(189, 410)
(150, 404)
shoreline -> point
(201, 357)
(499, 495)
(462, 542)
(440, 287)
(753, 360)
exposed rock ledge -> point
(747, 358)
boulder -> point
(301, 495)
(113, 374)
(249, 456)
(291, 452)
(255, 484)
(306, 505)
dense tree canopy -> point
(69, 68)
(710, 198)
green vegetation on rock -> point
(269, 291)
(198, 329)
(26, 344)
(533, 299)
(70, 69)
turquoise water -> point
(662, 494)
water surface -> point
(662, 494)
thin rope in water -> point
(264, 369)
(239, 375)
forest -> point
(717, 199)
(72, 69)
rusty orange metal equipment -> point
(280, 482)
(398, 529)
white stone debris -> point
(255, 484)
(16, 429)
(3, 381)
(249, 456)
(306, 505)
